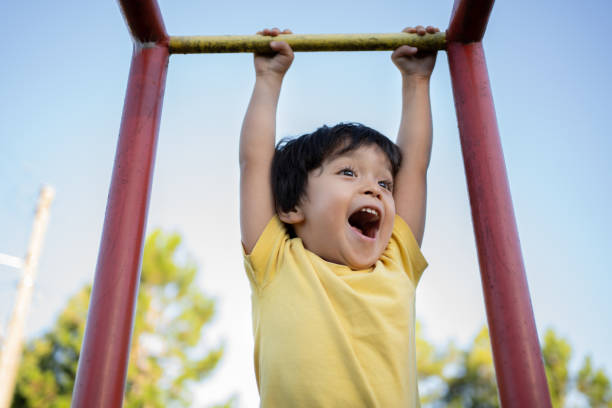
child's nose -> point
(373, 190)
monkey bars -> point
(101, 374)
(305, 42)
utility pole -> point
(10, 355)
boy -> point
(331, 228)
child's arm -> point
(257, 140)
(415, 133)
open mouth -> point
(366, 220)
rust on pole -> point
(144, 19)
(469, 20)
(516, 350)
(102, 369)
(305, 42)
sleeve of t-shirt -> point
(404, 250)
(261, 264)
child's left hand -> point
(410, 61)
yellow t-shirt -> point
(328, 336)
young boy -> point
(331, 227)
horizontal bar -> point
(305, 42)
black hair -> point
(294, 158)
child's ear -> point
(294, 216)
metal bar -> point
(144, 20)
(101, 374)
(516, 350)
(305, 42)
(469, 20)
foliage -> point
(474, 384)
(166, 351)
(49, 363)
(595, 385)
(431, 363)
(556, 353)
(467, 378)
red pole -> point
(469, 20)
(516, 350)
(103, 360)
(101, 374)
(144, 21)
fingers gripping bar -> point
(304, 42)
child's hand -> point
(278, 63)
(410, 61)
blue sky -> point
(63, 79)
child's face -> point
(347, 214)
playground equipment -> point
(103, 362)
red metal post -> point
(103, 361)
(516, 350)
(144, 20)
(469, 20)
(104, 356)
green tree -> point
(474, 384)
(467, 378)
(48, 366)
(165, 357)
(595, 385)
(556, 353)
(431, 365)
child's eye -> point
(385, 184)
(347, 172)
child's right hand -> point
(274, 64)
(413, 62)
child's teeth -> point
(369, 210)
